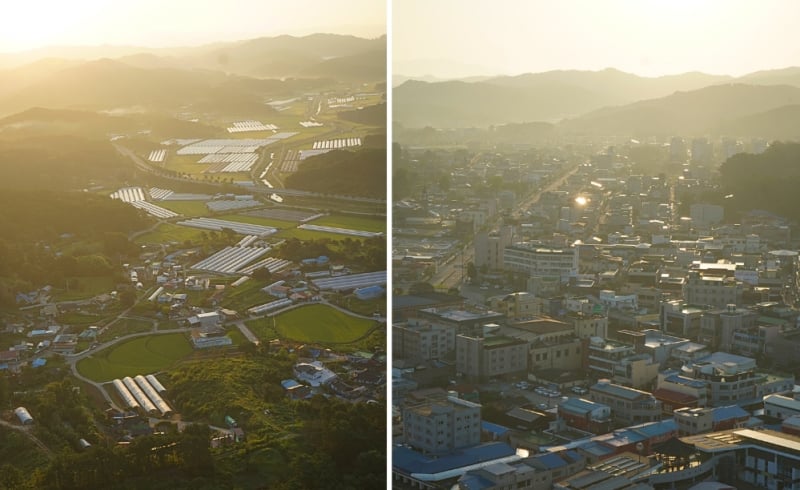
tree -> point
(472, 272)
(127, 297)
(262, 274)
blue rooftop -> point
(682, 380)
(596, 449)
(656, 429)
(550, 461)
(496, 429)
(410, 461)
(473, 482)
(727, 413)
(579, 405)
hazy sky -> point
(476, 37)
(28, 24)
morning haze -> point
(193, 257)
(595, 249)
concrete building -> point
(717, 327)
(517, 305)
(421, 340)
(681, 319)
(205, 337)
(534, 260)
(628, 405)
(722, 379)
(699, 420)
(588, 324)
(585, 415)
(535, 472)
(711, 288)
(621, 363)
(489, 248)
(781, 407)
(435, 423)
(484, 357)
(760, 458)
(466, 321)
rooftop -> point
(620, 391)
(409, 461)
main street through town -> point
(452, 272)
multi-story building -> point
(699, 420)
(721, 379)
(589, 324)
(484, 357)
(760, 458)
(709, 287)
(565, 354)
(435, 423)
(489, 248)
(420, 340)
(717, 327)
(621, 363)
(466, 321)
(535, 260)
(534, 472)
(517, 305)
(628, 405)
(781, 407)
(681, 319)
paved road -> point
(246, 332)
(145, 167)
(73, 359)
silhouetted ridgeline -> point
(373, 115)
(767, 181)
(360, 173)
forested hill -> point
(767, 181)
(360, 173)
(33, 215)
(58, 162)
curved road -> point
(73, 359)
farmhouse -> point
(313, 373)
(204, 337)
(205, 320)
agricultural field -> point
(126, 326)
(312, 235)
(167, 232)
(315, 323)
(353, 222)
(186, 208)
(84, 288)
(246, 296)
(139, 355)
(255, 220)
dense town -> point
(579, 322)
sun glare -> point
(581, 201)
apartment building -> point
(628, 405)
(435, 423)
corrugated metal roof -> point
(410, 461)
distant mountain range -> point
(236, 75)
(273, 57)
(610, 102)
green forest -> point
(360, 173)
